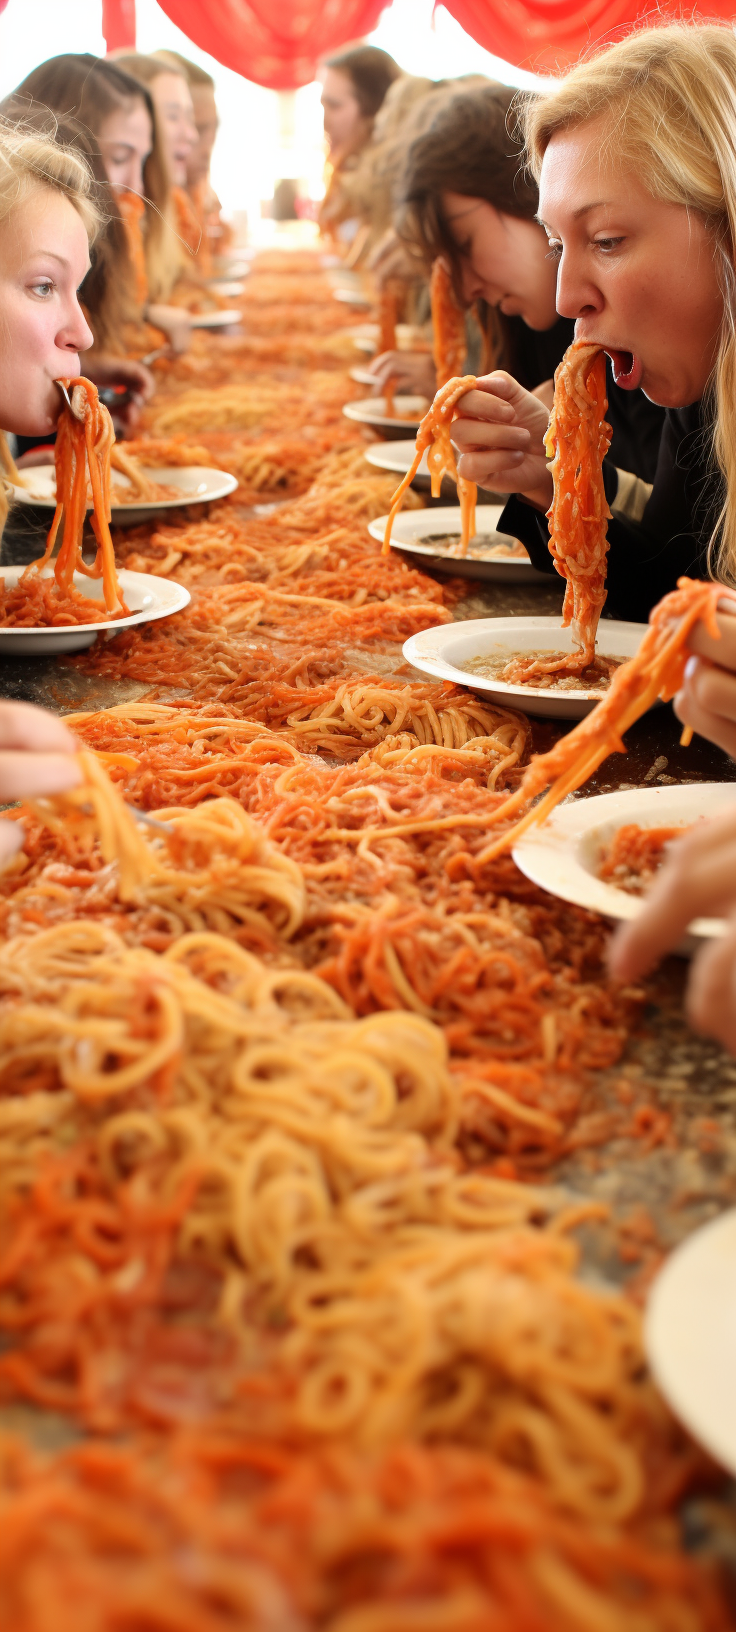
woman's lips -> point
(627, 368)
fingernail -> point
(516, 458)
(691, 667)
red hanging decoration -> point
(276, 43)
(549, 36)
(118, 24)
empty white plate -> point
(445, 650)
(148, 598)
(690, 1335)
(433, 536)
(197, 484)
(563, 854)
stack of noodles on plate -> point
(283, 1082)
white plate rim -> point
(689, 1319)
(223, 480)
(371, 410)
(141, 581)
(215, 320)
(514, 696)
(380, 456)
(549, 855)
(449, 514)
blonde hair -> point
(29, 161)
(669, 98)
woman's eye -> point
(607, 244)
(43, 287)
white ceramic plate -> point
(408, 337)
(352, 297)
(420, 533)
(148, 597)
(444, 650)
(215, 320)
(227, 289)
(690, 1335)
(398, 457)
(562, 855)
(372, 411)
(197, 484)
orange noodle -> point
(84, 443)
(387, 316)
(577, 439)
(657, 671)
(448, 324)
(434, 437)
(132, 209)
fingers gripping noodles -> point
(83, 446)
(434, 437)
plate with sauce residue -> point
(453, 650)
(432, 539)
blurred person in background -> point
(206, 232)
(168, 88)
(354, 84)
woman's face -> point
(173, 103)
(346, 128)
(125, 140)
(503, 260)
(638, 275)
(207, 123)
(44, 256)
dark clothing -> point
(655, 537)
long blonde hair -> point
(29, 161)
(669, 97)
(166, 256)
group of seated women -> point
(605, 208)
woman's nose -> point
(577, 294)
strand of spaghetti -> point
(655, 672)
(448, 324)
(84, 442)
(433, 437)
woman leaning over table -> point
(464, 193)
(47, 219)
(636, 158)
(636, 162)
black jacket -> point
(656, 535)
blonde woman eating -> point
(635, 154)
(47, 220)
(636, 158)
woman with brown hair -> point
(168, 86)
(354, 84)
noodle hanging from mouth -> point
(84, 445)
(577, 440)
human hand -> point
(36, 758)
(697, 880)
(707, 699)
(499, 433)
(411, 371)
(174, 322)
(134, 381)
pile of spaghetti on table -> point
(282, 1078)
